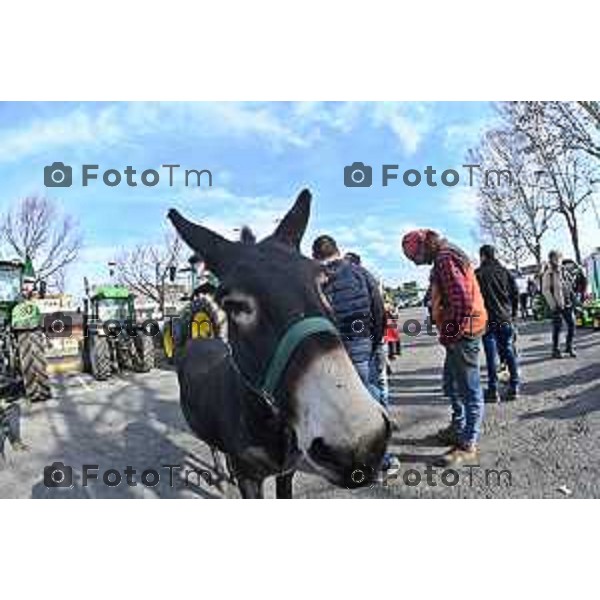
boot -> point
(464, 454)
(491, 397)
(447, 436)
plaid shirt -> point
(451, 275)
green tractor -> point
(114, 341)
(588, 314)
(539, 308)
(23, 363)
(200, 317)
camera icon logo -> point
(358, 175)
(58, 175)
(359, 476)
(355, 326)
(58, 325)
(58, 475)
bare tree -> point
(496, 226)
(571, 182)
(515, 212)
(35, 228)
(561, 147)
(576, 124)
(145, 268)
(551, 150)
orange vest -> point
(472, 325)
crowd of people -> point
(472, 308)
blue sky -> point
(260, 155)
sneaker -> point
(447, 436)
(571, 353)
(556, 353)
(390, 462)
(460, 455)
(512, 394)
(491, 396)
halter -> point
(287, 345)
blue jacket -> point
(349, 290)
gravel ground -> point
(549, 440)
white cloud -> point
(466, 135)
(301, 125)
(409, 122)
(76, 128)
(86, 127)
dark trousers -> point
(498, 342)
(524, 298)
(567, 314)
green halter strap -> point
(288, 344)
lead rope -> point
(263, 394)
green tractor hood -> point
(111, 292)
(26, 315)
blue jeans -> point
(362, 368)
(378, 381)
(463, 386)
(557, 318)
(498, 341)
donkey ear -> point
(292, 227)
(216, 251)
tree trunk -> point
(574, 232)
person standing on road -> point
(357, 305)
(352, 297)
(392, 334)
(459, 313)
(558, 289)
(501, 298)
(378, 378)
(532, 290)
(523, 295)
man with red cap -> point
(459, 313)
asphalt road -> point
(546, 444)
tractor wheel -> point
(100, 358)
(34, 366)
(168, 342)
(145, 353)
(126, 354)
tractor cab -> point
(112, 303)
(11, 284)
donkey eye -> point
(237, 307)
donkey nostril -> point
(321, 452)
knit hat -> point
(415, 243)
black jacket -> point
(499, 291)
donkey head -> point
(265, 288)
